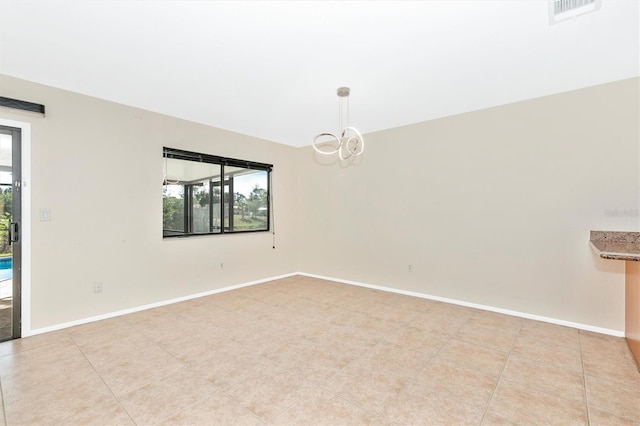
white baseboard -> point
(151, 306)
(611, 332)
(586, 327)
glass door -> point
(10, 214)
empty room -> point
(320, 213)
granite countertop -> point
(616, 245)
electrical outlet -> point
(410, 268)
(45, 215)
(97, 287)
(221, 265)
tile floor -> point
(6, 304)
(302, 351)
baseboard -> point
(579, 326)
(152, 305)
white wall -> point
(492, 207)
(98, 166)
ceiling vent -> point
(561, 10)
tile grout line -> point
(433, 357)
(251, 317)
(584, 380)
(374, 415)
(600, 379)
(237, 401)
(486, 411)
(4, 408)
(317, 342)
(321, 386)
(260, 419)
(102, 380)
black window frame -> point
(180, 154)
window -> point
(206, 194)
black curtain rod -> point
(179, 154)
(23, 105)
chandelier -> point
(350, 143)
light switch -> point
(45, 215)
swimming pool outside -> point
(6, 268)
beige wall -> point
(492, 207)
(98, 166)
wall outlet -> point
(410, 268)
(97, 287)
(45, 215)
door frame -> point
(25, 231)
(14, 227)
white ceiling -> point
(271, 69)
